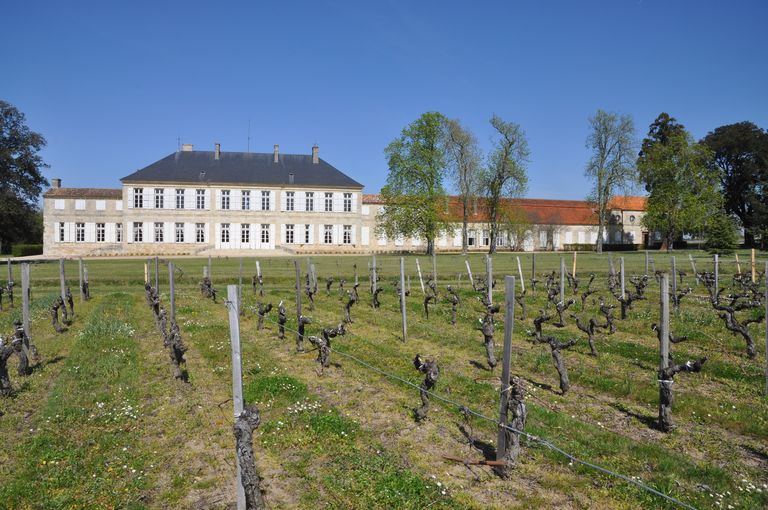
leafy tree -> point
(21, 180)
(740, 154)
(505, 175)
(414, 197)
(720, 234)
(612, 165)
(515, 225)
(682, 186)
(464, 167)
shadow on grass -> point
(40, 365)
(647, 420)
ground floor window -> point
(264, 233)
(79, 232)
(100, 233)
(159, 237)
(200, 232)
(179, 232)
(245, 233)
(289, 234)
(347, 234)
(138, 232)
(328, 234)
(61, 231)
(225, 232)
(118, 232)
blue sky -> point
(112, 85)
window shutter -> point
(90, 232)
(354, 202)
(354, 234)
(300, 201)
(311, 234)
(130, 198)
(235, 200)
(271, 244)
(71, 232)
(282, 200)
(365, 236)
(282, 233)
(109, 232)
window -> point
(199, 232)
(79, 232)
(200, 199)
(307, 232)
(347, 202)
(225, 232)
(101, 205)
(159, 231)
(328, 234)
(289, 234)
(61, 231)
(158, 198)
(179, 228)
(118, 232)
(245, 233)
(245, 203)
(310, 201)
(138, 198)
(289, 196)
(58, 203)
(264, 233)
(100, 233)
(347, 234)
(179, 199)
(80, 205)
(265, 200)
(225, 199)
(138, 232)
(329, 202)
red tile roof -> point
(538, 211)
(102, 193)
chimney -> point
(277, 153)
(290, 178)
(186, 147)
(315, 157)
(216, 150)
(55, 183)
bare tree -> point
(612, 165)
(464, 167)
(505, 175)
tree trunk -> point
(564, 382)
(600, 229)
(430, 246)
(244, 426)
(749, 239)
(665, 406)
(489, 351)
(464, 227)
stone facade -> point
(176, 217)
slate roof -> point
(242, 168)
(538, 211)
(100, 193)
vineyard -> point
(118, 411)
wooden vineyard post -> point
(421, 281)
(373, 283)
(237, 376)
(85, 278)
(562, 279)
(157, 276)
(469, 272)
(754, 273)
(298, 300)
(533, 265)
(205, 272)
(611, 269)
(240, 288)
(172, 289)
(717, 273)
(313, 276)
(509, 324)
(146, 273)
(664, 339)
(520, 272)
(573, 272)
(25, 301)
(621, 276)
(62, 281)
(646, 262)
(738, 264)
(10, 271)
(674, 276)
(80, 273)
(693, 267)
(402, 298)
(434, 266)
(209, 267)
(489, 277)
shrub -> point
(24, 250)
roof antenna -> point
(178, 143)
(249, 136)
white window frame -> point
(200, 199)
(245, 200)
(179, 232)
(180, 195)
(347, 234)
(79, 232)
(62, 228)
(59, 204)
(159, 198)
(225, 232)
(245, 233)
(101, 232)
(309, 201)
(290, 200)
(347, 202)
(138, 232)
(264, 233)
(199, 232)
(327, 234)
(307, 234)
(290, 232)
(138, 198)
(118, 232)
(225, 196)
(159, 232)
(328, 207)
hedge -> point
(23, 250)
